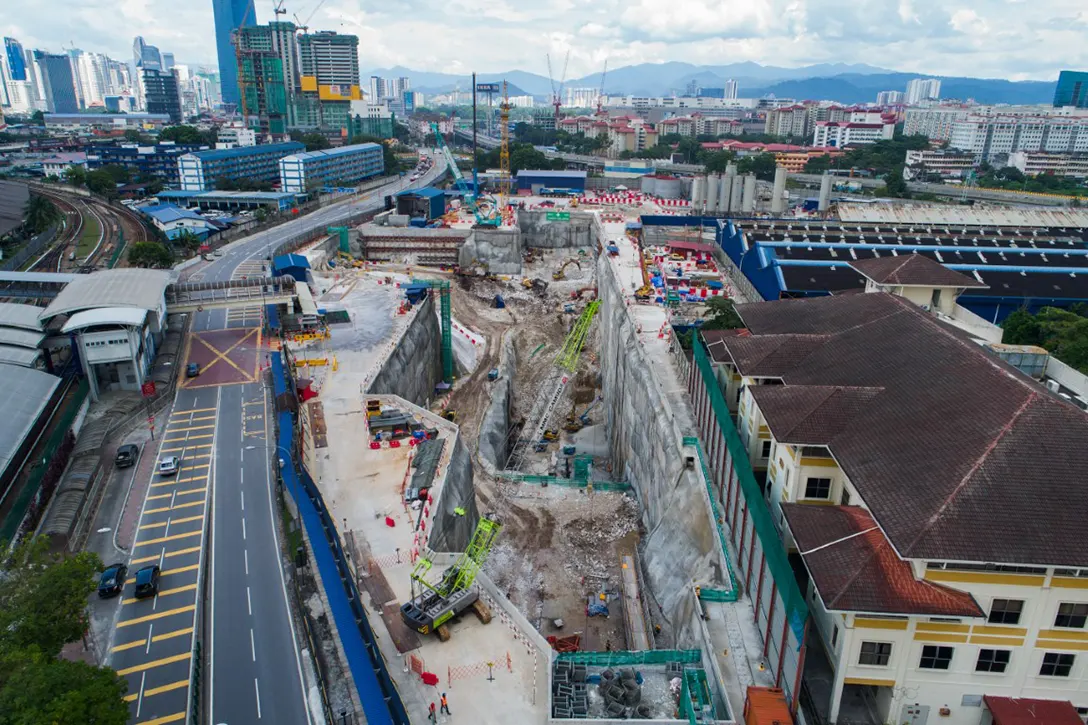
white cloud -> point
(992, 38)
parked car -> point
(192, 370)
(126, 455)
(169, 465)
(112, 580)
(147, 581)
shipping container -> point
(766, 706)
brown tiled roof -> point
(1027, 711)
(912, 269)
(855, 568)
(960, 457)
(713, 341)
(810, 414)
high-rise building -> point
(1072, 89)
(146, 56)
(13, 49)
(329, 79)
(731, 88)
(58, 85)
(92, 73)
(889, 98)
(229, 16)
(922, 89)
(377, 89)
(268, 58)
(161, 93)
(167, 61)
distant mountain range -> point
(848, 83)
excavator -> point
(433, 605)
(646, 291)
(576, 422)
(561, 272)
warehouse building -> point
(532, 181)
(199, 171)
(277, 201)
(928, 497)
(331, 168)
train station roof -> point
(23, 397)
(142, 288)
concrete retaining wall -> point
(537, 231)
(499, 249)
(415, 365)
(451, 530)
(646, 428)
(495, 427)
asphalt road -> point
(221, 427)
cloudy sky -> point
(1016, 39)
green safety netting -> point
(732, 594)
(774, 552)
(642, 657)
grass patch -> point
(88, 240)
(292, 529)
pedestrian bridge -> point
(200, 296)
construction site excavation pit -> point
(564, 421)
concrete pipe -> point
(825, 192)
(712, 183)
(735, 194)
(749, 203)
(778, 196)
(725, 192)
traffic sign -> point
(487, 87)
(558, 216)
(148, 388)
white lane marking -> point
(245, 553)
(249, 602)
(257, 689)
(150, 627)
(252, 645)
(140, 699)
(243, 500)
(211, 573)
(243, 529)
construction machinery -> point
(576, 422)
(557, 91)
(600, 93)
(504, 146)
(433, 605)
(646, 291)
(561, 272)
(485, 209)
(443, 287)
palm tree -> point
(40, 213)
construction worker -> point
(431, 715)
(445, 705)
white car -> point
(169, 465)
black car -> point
(112, 580)
(147, 581)
(192, 370)
(126, 455)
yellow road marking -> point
(164, 524)
(176, 717)
(171, 537)
(154, 663)
(171, 635)
(158, 496)
(192, 468)
(168, 572)
(170, 430)
(190, 479)
(182, 448)
(187, 437)
(175, 506)
(179, 552)
(192, 490)
(163, 593)
(194, 410)
(222, 355)
(129, 645)
(158, 690)
(157, 615)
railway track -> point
(111, 222)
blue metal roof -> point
(552, 174)
(166, 213)
(227, 195)
(428, 192)
(288, 148)
(340, 151)
(286, 261)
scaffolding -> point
(443, 288)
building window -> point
(935, 658)
(1071, 615)
(766, 450)
(818, 488)
(1056, 664)
(835, 635)
(875, 653)
(992, 660)
(845, 497)
(1006, 611)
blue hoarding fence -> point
(377, 692)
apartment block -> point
(199, 171)
(846, 133)
(990, 137)
(151, 162)
(928, 498)
(789, 121)
(339, 167)
(933, 123)
(949, 164)
(1034, 163)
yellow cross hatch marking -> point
(157, 615)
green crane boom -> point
(572, 346)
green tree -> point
(100, 182)
(722, 315)
(43, 602)
(41, 213)
(894, 184)
(188, 241)
(313, 141)
(134, 136)
(154, 255)
(36, 689)
(184, 135)
(717, 162)
(1022, 328)
(119, 174)
(75, 175)
(762, 165)
(37, 118)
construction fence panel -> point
(642, 657)
(766, 533)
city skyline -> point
(1014, 40)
